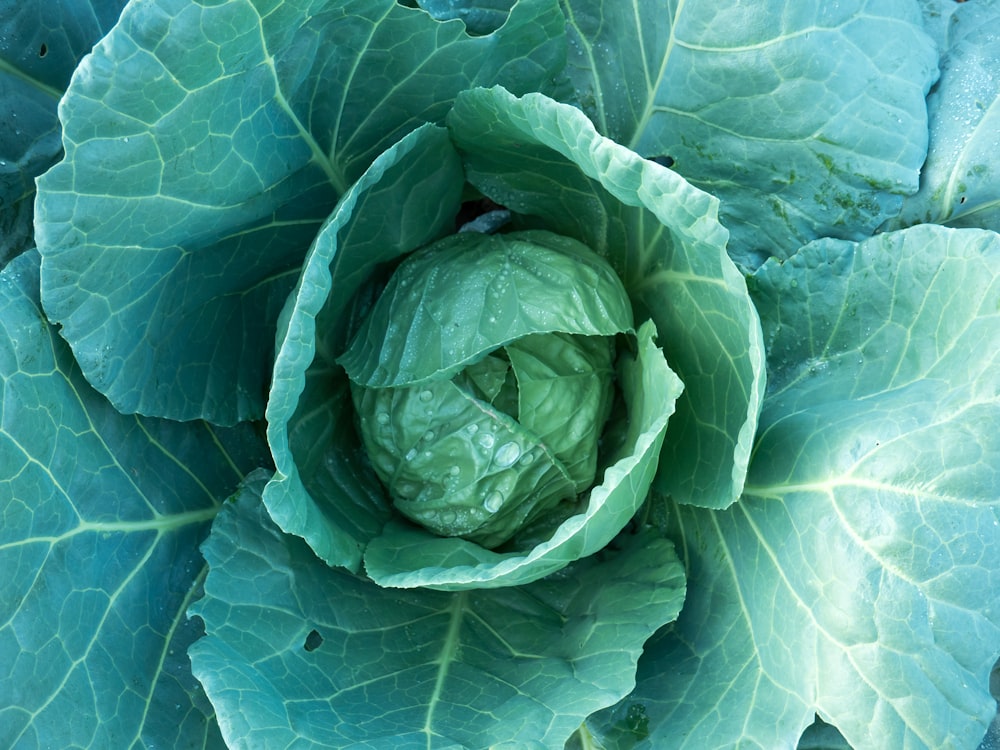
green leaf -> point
(960, 182)
(41, 43)
(806, 120)
(205, 145)
(102, 515)
(405, 556)
(479, 16)
(857, 577)
(546, 163)
(301, 654)
(408, 197)
(448, 306)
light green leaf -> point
(405, 556)
(407, 198)
(450, 305)
(546, 163)
(806, 119)
(102, 515)
(205, 144)
(298, 654)
(960, 182)
(857, 577)
(41, 42)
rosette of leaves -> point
(661, 267)
(483, 378)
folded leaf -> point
(407, 198)
(102, 515)
(298, 653)
(546, 163)
(857, 577)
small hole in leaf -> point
(313, 641)
(43, 50)
(664, 161)
(962, 199)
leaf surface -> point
(407, 198)
(301, 654)
(41, 42)
(205, 145)
(102, 515)
(960, 182)
(806, 120)
(856, 578)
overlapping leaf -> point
(857, 577)
(205, 145)
(806, 119)
(547, 164)
(41, 42)
(100, 520)
(301, 654)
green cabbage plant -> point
(500, 374)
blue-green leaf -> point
(301, 654)
(41, 42)
(205, 145)
(102, 515)
(857, 577)
(408, 197)
(806, 119)
(960, 182)
(547, 164)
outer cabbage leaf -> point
(960, 182)
(101, 516)
(857, 577)
(205, 145)
(805, 119)
(41, 42)
(301, 654)
(546, 162)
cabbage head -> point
(455, 408)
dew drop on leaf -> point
(507, 454)
(493, 501)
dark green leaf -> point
(41, 42)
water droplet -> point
(507, 454)
(527, 458)
(472, 429)
(492, 319)
(449, 516)
(493, 501)
(407, 490)
(454, 471)
(410, 454)
(486, 440)
(382, 417)
(429, 435)
(426, 396)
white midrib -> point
(444, 660)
